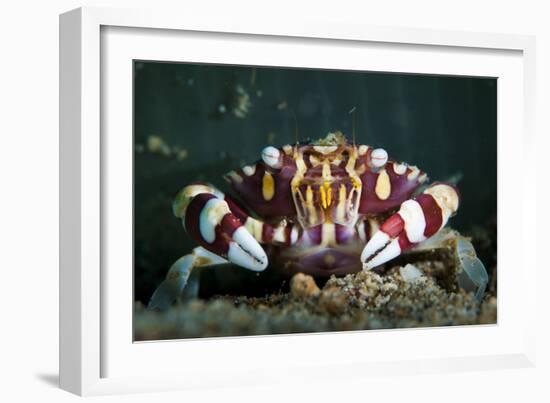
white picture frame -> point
(96, 355)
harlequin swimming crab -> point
(326, 207)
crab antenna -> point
(295, 126)
(353, 123)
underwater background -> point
(196, 122)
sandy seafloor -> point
(418, 294)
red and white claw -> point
(210, 222)
(417, 220)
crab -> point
(327, 207)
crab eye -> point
(379, 157)
(271, 156)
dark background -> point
(191, 123)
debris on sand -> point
(303, 286)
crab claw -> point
(416, 220)
(210, 222)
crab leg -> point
(178, 275)
(418, 219)
(210, 221)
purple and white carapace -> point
(323, 208)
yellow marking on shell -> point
(287, 149)
(363, 149)
(326, 195)
(309, 195)
(301, 169)
(235, 177)
(268, 186)
(383, 185)
(336, 161)
(350, 169)
(255, 227)
(323, 197)
(414, 173)
(399, 169)
(341, 207)
(249, 170)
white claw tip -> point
(246, 252)
(391, 251)
(270, 155)
(377, 242)
(379, 157)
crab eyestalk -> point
(272, 157)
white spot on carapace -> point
(314, 161)
(211, 215)
(363, 149)
(249, 170)
(287, 149)
(415, 223)
(379, 157)
(414, 173)
(325, 149)
(383, 185)
(422, 178)
(399, 169)
(326, 172)
(270, 155)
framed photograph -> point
(238, 197)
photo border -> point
(81, 172)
